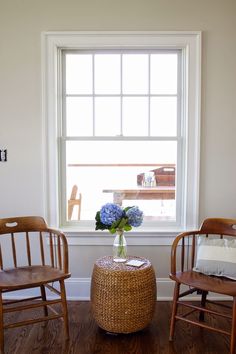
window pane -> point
(135, 116)
(107, 116)
(78, 73)
(107, 73)
(163, 73)
(135, 74)
(109, 169)
(163, 111)
(79, 114)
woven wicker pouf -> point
(123, 297)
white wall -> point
(21, 23)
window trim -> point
(188, 42)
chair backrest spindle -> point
(182, 254)
(51, 249)
(28, 248)
(59, 251)
(41, 248)
(13, 249)
(193, 250)
(1, 263)
(55, 250)
(188, 252)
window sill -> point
(144, 237)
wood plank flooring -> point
(87, 338)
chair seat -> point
(30, 276)
(201, 281)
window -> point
(126, 106)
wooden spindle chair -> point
(75, 200)
(32, 255)
(183, 261)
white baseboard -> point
(79, 289)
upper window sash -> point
(149, 94)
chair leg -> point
(203, 304)
(79, 210)
(174, 310)
(70, 210)
(64, 307)
(43, 294)
(233, 329)
(1, 325)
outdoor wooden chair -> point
(32, 256)
(205, 261)
(75, 200)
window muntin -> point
(119, 110)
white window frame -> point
(190, 44)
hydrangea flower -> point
(114, 218)
(110, 213)
(135, 216)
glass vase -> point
(119, 247)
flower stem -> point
(121, 249)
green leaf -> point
(99, 225)
(112, 231)
(127, 208)
(127, 227)
(115, 224)
(97, 217)
(122, 223)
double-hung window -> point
(124, 126)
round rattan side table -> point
(123, 297)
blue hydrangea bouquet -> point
(115, 219)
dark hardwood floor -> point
(88, 338)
